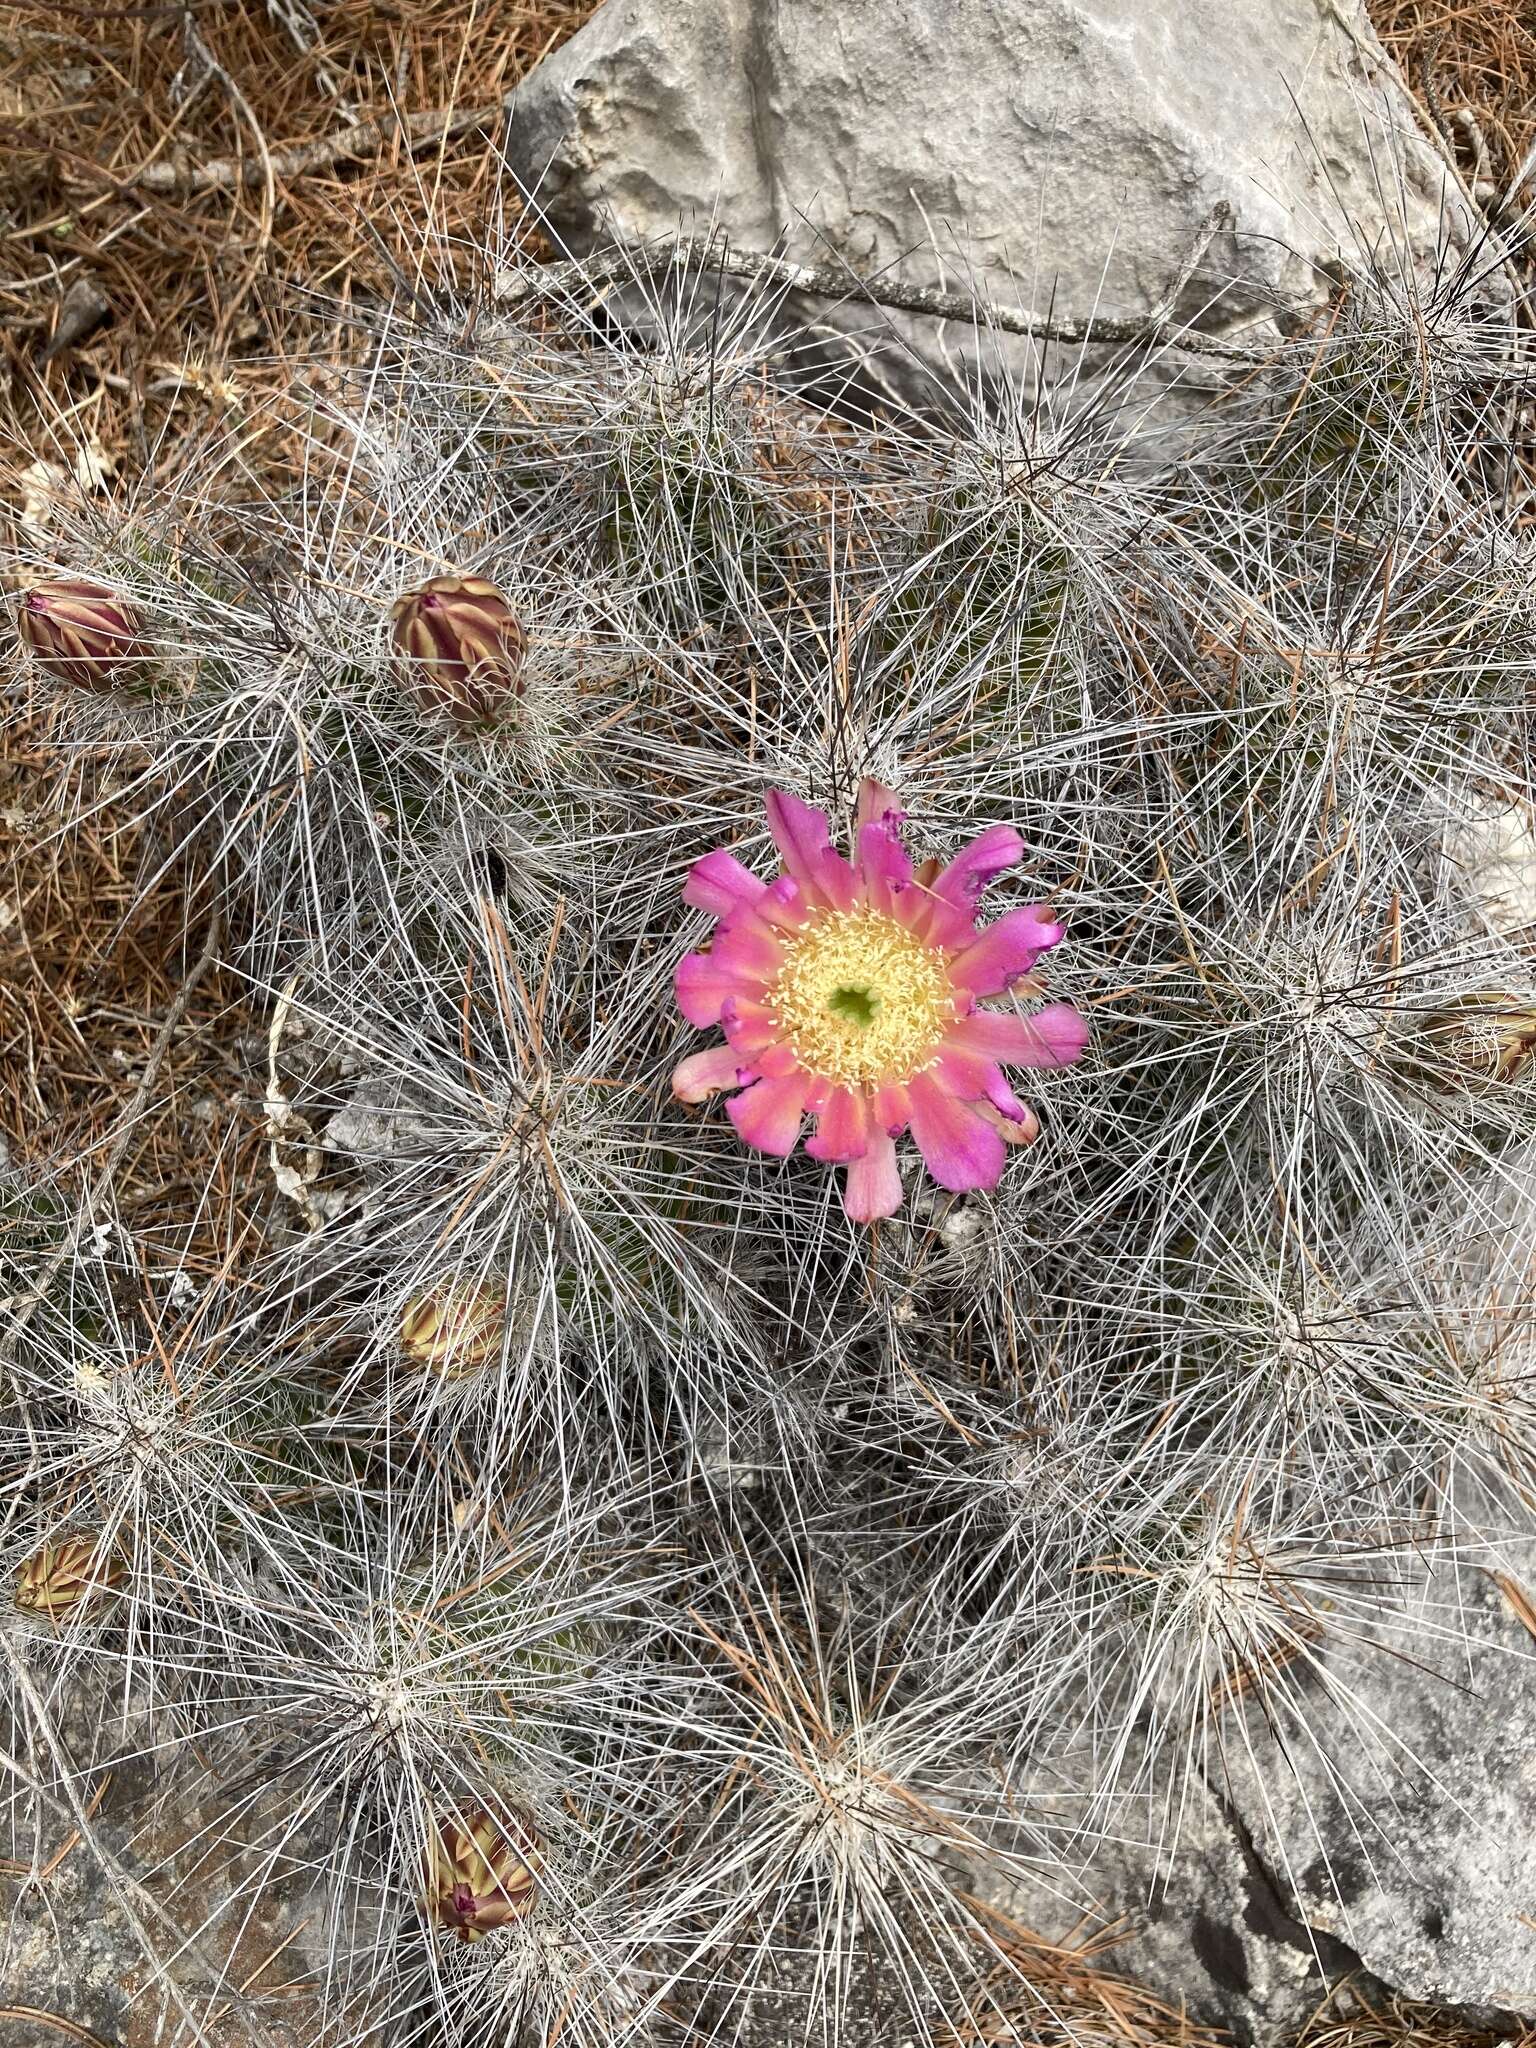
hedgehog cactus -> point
(663, 1587)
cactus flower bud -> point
(454, 1330)
(1483, 1038)
(482, 1873)
(81, 630)
(463, 647)
(57, 1578)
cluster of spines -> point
(653, 1590)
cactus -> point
(663, 1581)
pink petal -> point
(878, 806)
(884, 865)
(966, 1073)
(774, 1060)
(1006, 950)
(767, 1115)
(975, 1079)
(934, 922)
(1013, 1130)
(705, 1073)
(804, 840)
(987, 856)
(946, 913)
(720, 884)
(930, 920)
(892, 1108)
(1052, 1037)
(748, 949)
(873, 1185)
(961, 1149)
(843, 1129)
(1002, 1098)
(704, 987)
(781, 907)
(749, 1024)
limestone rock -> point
(1413, 1844)
(1198, 1923)
(1494, 845)
(222, 1881)
(1376, 1836)
(1059, 154)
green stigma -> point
(854, 1006)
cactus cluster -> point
(645, 1599)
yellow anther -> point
(861, 999)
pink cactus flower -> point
(848, 992)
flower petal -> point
(973, 1078)
(987, 856)
(960, 1149)
(705, 1073)
(873, 1186)
(750, 1024)
(843, 1129)
(704, 987)
(779, 909)
(1002, 1098)
(767, 1115)
(998, 956)
(749, 949)
(774, 1060)
(885, 867)
(965, 1073)
(720, 884)
(1052, 1037)
(943, 907)
(804, 840)
(1013, 1130)
(878, 805)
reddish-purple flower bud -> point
(482, 1873)
(81, 631)
(463, 648)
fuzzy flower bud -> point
(463, 647)
(482, 1873)
(56, 1579)
(453, 1331)
(81, 631)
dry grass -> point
(104, 108)
(95, 932)
(1472, 64)
(1352, 2021)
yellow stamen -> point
(861, 999)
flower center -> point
(862, 1000)
(854, 1005)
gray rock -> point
(1493, 843)
(1059, 154)
(381, 1120)
(1405, 1826)
(1198, 1924)
(1378, 1832)
(1206, 1931)
(228, 1886)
